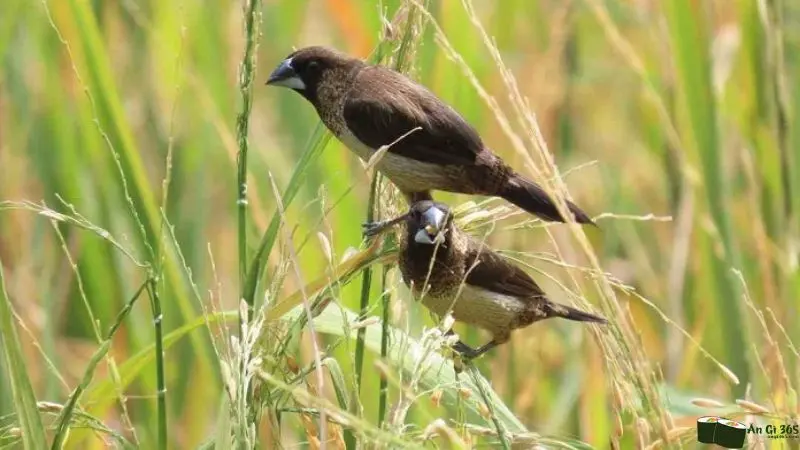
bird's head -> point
(428, 222)
(304, 69)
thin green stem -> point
(366, 284)
(480, 384)
(384, 386)
(158, 275)
(125, 311)
(161, 386)
(247, 69)
(246, 76)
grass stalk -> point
(157, 277)
(366, 285)
(386, 298)
(479, 383)
(33, 435)
(161, 384)
(247, 70)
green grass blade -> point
(33, 436)
(697, 101)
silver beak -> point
(284, 75)
(432, 223)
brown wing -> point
(489, 270)
(384, 105)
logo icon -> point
(721, 431)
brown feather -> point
(387, 105)
(493, 272)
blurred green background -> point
(651, 109)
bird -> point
(430, 145)
(450, 271)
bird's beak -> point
(432, 224)
(284, 75)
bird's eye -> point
(312, 66)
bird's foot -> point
(468, 353)
(465, 351)
(372, 229)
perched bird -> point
(449, 271)
(432, 146)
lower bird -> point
(449, 271)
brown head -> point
(305, 69)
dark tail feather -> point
(532, 198)
(568, 312)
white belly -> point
(480, 307)
(407, 174)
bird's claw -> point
(466, 352)
(372, 229)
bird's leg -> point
(468, 352)
(371, 229)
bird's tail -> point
(568, 312)
(532, 198)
